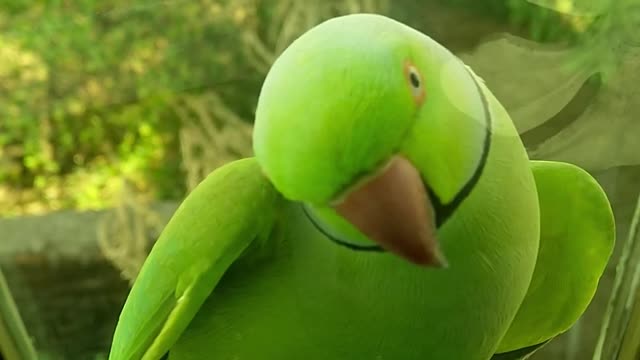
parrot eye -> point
(414, 80)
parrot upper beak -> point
(394, 210)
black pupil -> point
(413, 77)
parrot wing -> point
(235, 206)
(520, 354)
(577, 235)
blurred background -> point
(112, 111)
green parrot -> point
(390, 212)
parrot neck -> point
(443, 211)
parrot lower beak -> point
(394, 210)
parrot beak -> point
(394, 210)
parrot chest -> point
(364, 305)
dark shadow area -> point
(570, 113)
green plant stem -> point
(618, 336)
(15, 343)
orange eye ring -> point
(415, 82)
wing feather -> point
(233, 207)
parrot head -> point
(379, 131)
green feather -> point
(208, 232)
(576, 240)
(519, 354)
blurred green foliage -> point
(88, 88)
(543, 24)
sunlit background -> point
(112, 111)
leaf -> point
(533, 81)
(606, 134)
(538, 84)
